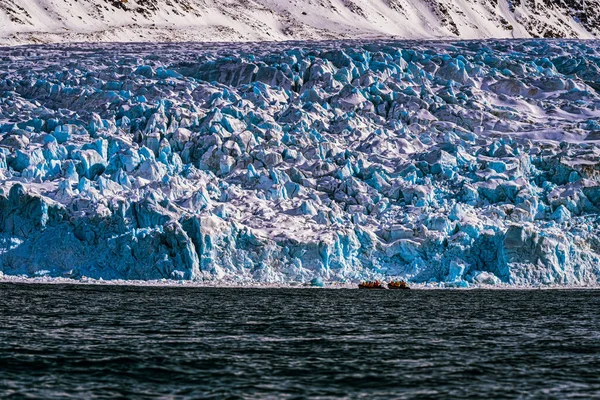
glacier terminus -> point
(454, 162)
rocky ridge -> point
(43, 21)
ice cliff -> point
(41, 21)
(467, 162)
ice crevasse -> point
(464, 163)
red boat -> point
(398, 285)
(371, 285)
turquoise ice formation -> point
(464, 163)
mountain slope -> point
(38, 21)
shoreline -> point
(223, 284)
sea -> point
(103, 341)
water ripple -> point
(141, 342)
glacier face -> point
(467, 162)
(43, 21)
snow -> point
(44, 21)
(300, 163)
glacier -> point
(462, 163)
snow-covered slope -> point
(33, 21)
(439, 162)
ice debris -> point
(468, 162)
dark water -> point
(133, 342)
